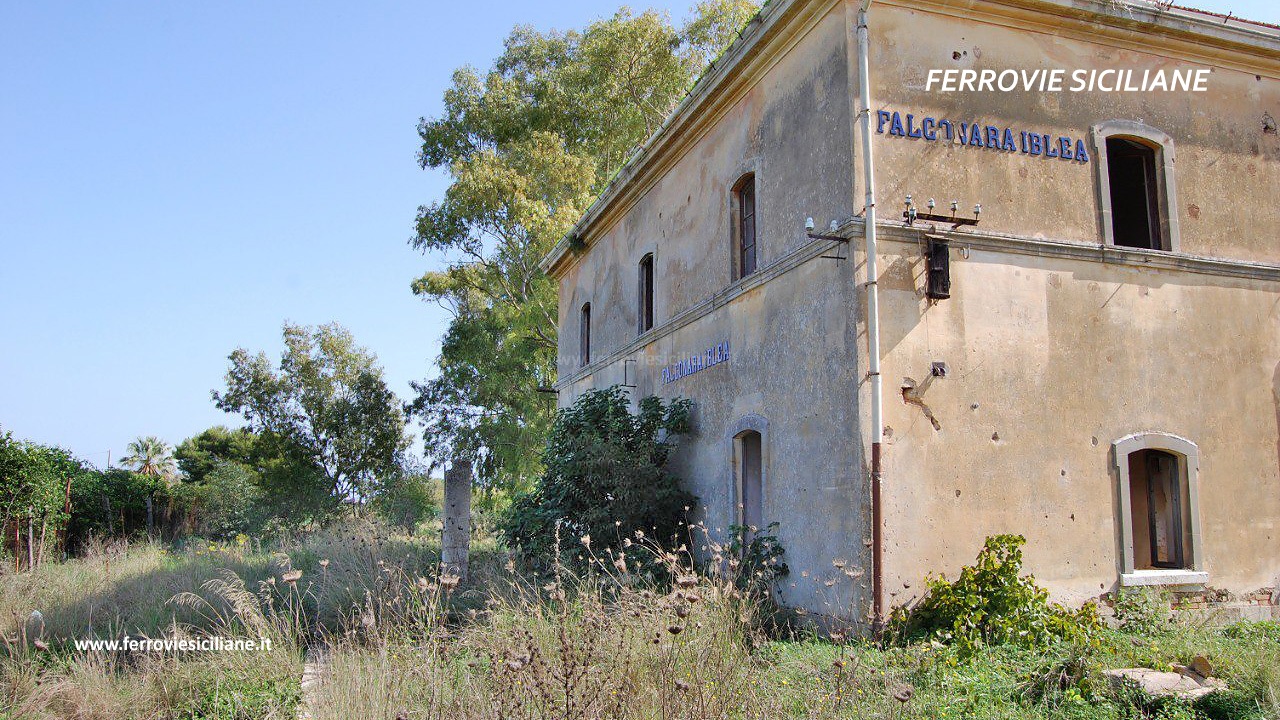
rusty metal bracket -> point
(952, 220)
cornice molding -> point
(766, 40)
(1091, 252)
(706, 306)
(891, 232)
(1172, 32)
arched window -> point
(1159, 511)
(645, 311)
(1156, 503)
(744, 193)
(750, 482)
(584, 336)
(1137, 186)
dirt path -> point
(312, 669)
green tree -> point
(408, 500)
(200, 454)
(335, 431)
(606, 477)
(152, 457)
(529, 144)
(33, 479)
(228, 501)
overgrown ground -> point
(399, 642)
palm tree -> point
(151, 456)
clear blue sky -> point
(179, 178)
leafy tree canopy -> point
(33, 479)
(529, 144)
(200, 454)
(336, 429)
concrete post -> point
(456, 541)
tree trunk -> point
(151, 517)
(111, 522)
(31, 542)
(44, 525)
(455, 544)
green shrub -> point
(1142, 611)
(228, 502)
(761, 555)
(992, 604)
(606, 478)
(1229, 704)
(407, 501)
(1247, 630)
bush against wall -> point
(606, 477)
(992, 603)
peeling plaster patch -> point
(1268, 124)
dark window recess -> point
(1156, 489)
(1135, 208)
(646, 292)
(750, 476)
(938, 254)
(584, 336)
(747, 226)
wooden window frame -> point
(746, 208)
(644, 309)
(1165, 188)
(584, 335)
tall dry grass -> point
(147, 590)
(607, 644)
(639, 634)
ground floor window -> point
(1158, 509)
(750, 487)
(1156, 492)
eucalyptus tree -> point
(528, 145)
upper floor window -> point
(745, 202)
(646, 293)
(1135, 208)
(584, 336)
(1135, 164)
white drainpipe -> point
(873, 319)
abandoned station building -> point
(1090, 359)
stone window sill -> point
(1143, 578)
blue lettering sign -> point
(974, 134)
(695, 362)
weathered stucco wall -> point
(1053, 358)
(790, 378)
(1056, 349)
(1228, 167)
(792, 129)
(789, 327)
